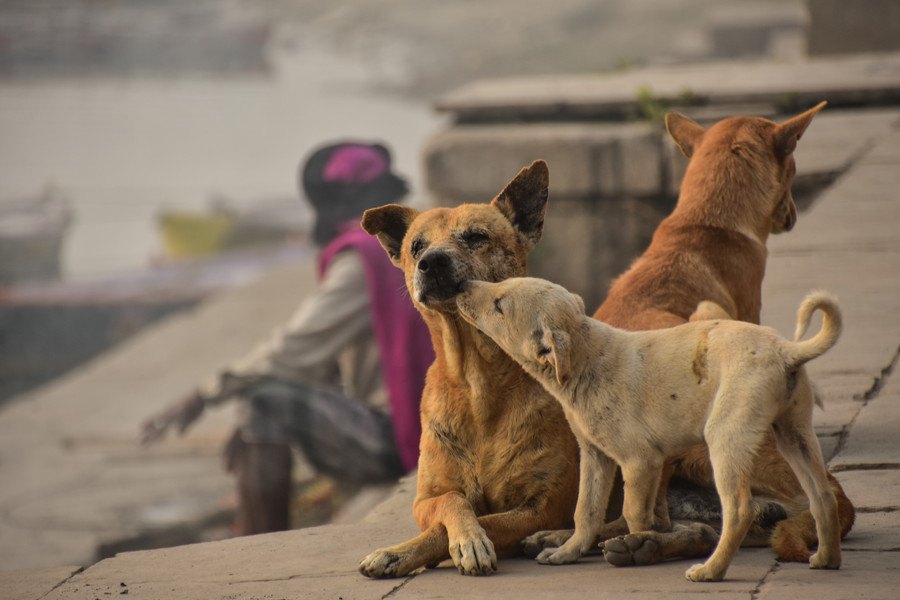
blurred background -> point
(150, 224)
(137, 133)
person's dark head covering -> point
(342, 180)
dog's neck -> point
(468, 356)
(740, 269)
(720, 197)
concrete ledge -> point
(869, 79)
(841, 27)
(613, 160)
(471, 164)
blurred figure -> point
(341, 382)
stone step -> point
(867, 79)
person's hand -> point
(179, 415)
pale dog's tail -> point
(797, 352)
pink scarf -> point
(404, 344)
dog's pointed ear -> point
(389, 224)
(685, 131)
(789, 132)
(554, 349)
(524, 200)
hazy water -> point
(124, 149)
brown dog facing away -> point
(497, 458)
(735, 192)
(635, 398)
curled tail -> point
(797, 352)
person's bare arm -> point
(302, 351)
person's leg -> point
(259, 455)
(338, 436)
(344, 438)
(263, 472)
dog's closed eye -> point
(543, 350)
(416, 247)
(474, 238)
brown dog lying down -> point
(636, 398)
(735, 192)
(497, 459)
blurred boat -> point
(194, 235)
(221, 228)
(32, 231)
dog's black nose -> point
(436, 260)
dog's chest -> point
(512, 461)
(594, 426)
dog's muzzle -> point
(437, 278)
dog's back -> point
(735, 192)
(685, 264)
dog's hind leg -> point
(794, 536)
(798, 444)
(693, 540)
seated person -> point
(342, 380)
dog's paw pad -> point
(632, 549)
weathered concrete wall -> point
(614, 173)
(610, 185)
(842, 26)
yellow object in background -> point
(195, 235)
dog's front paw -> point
(473, 553)
(536, 543)
(702, 573)
(633, 549)
(820, 560)
(384, 563)
(569, 552)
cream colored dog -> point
(635, 398)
